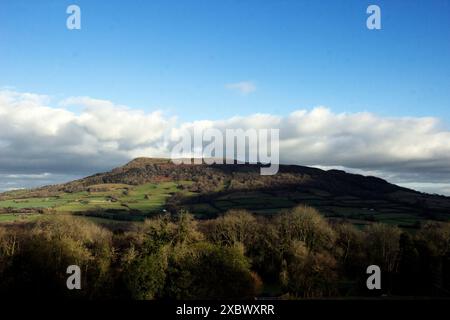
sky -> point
(75, 101)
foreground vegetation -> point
(295, 254)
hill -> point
(147, 186)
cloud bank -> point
(43, 142)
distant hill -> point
(211, 189)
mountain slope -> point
(207, 190)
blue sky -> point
(189, 58)
(179, 56)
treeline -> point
(295, 254)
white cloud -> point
(37, 138)
(28, 176)
(20, 181)
(428, 187)
(243, 87)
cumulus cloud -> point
(43, 142)
(35, 136)
(243, 87)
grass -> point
(31, 203)
(147, 198)
(14, 217)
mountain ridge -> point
(219, 187)
(155, 170)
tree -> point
(186, 229)
(349, 248)
(305, 224)
(309, 274)
(146, 275)
(38, 266)
(208, 271)
(235, 226)
(383, 246)
(437, 237)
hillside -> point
(146, 186)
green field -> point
(117, 198)
(121, 202)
